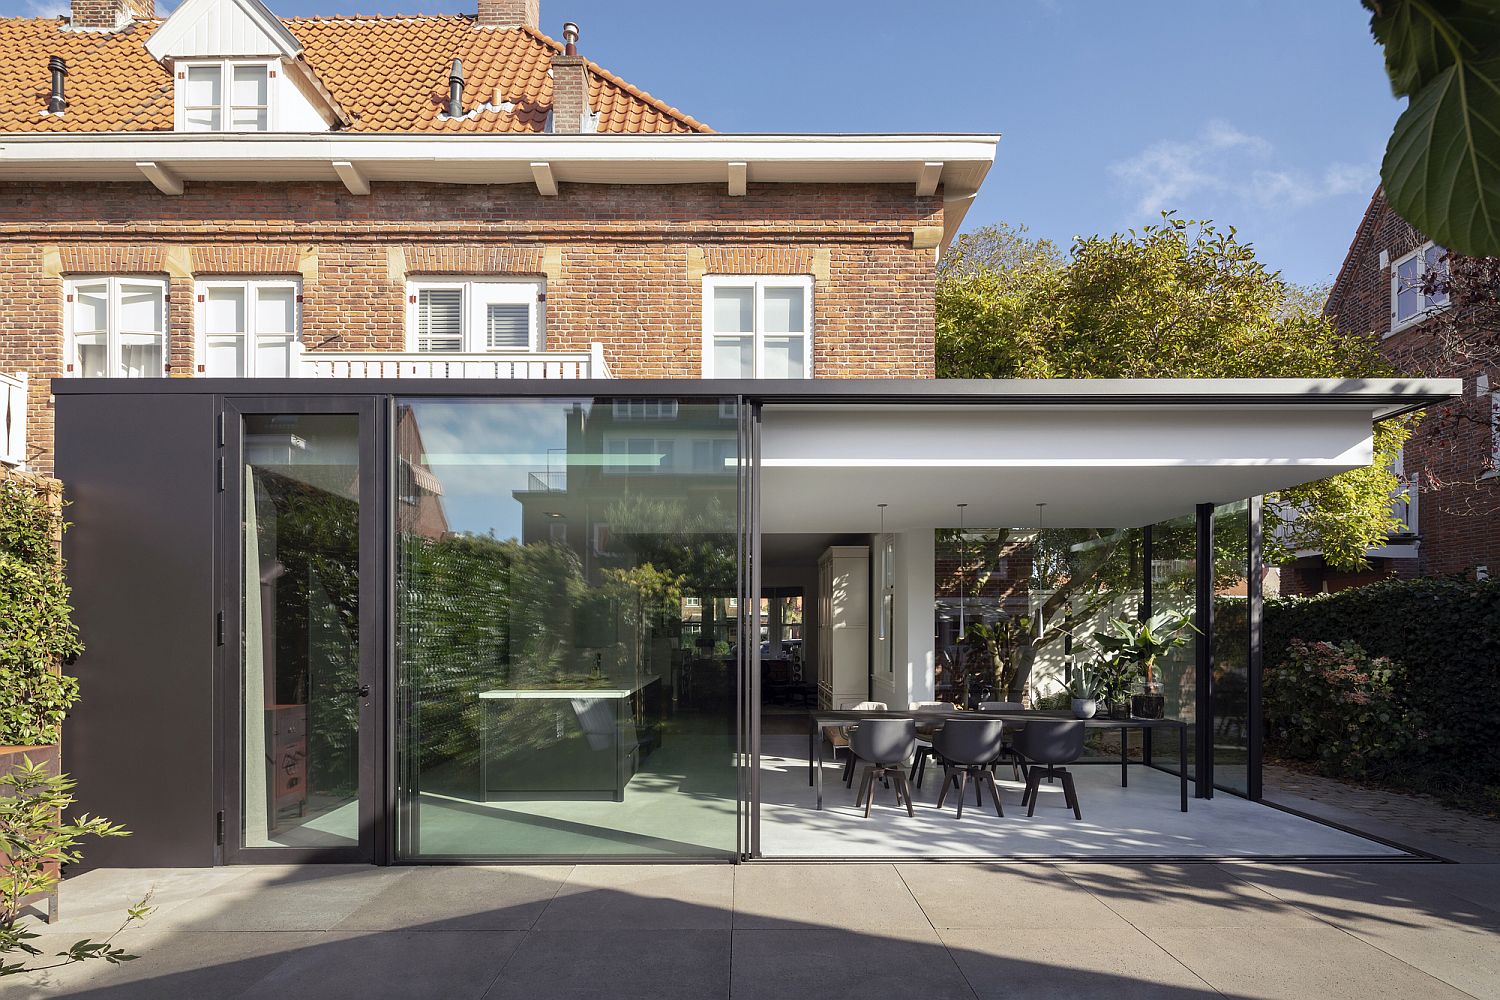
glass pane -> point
(249, 87)
(734, 357)
(784, 310)
(226, 357)
(560, 699)
(248, 120)
(141, 308)
(1231, 687)
(141, 356)
(224, 310)
(300, 621)
(93, 356)
(1174, 587)
(784, 357)
(203, 84)
(90, 308)
(202, 120)
(507, 325)
(275, 310)
(734, 310)
(273, 357)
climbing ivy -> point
(36, 626)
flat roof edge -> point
(1388, 396)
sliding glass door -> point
(299, 631)
(566, 641)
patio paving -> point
(780, 930)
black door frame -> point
(373, 742)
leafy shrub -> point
(1443, 635)
(1336, 705)
(36, 627)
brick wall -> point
(623, 265)
(1459, 521)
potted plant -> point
(1113, 677)
(1142, 642)
(1081, 688)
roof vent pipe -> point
(58, 102)
(456, 90)
(570, 39)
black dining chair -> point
(967, 748)
(838, 736)
(924, 738)
(884, 745)
(1008, 754)
(1047, 746)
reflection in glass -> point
(1231, 686)
(300, 621)
(1174, 582)
(565, 577)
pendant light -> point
(884, 571)
(962, 571)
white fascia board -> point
(673, 159)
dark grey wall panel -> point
(139, 473)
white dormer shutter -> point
(507, 326)
(440, 319)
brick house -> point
(1452, 504)
(455, 190)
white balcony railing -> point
(13, 413)
(493, 364)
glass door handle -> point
(362, 691)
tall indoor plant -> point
(1143, 641)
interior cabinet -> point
(843, 626)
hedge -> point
(1443, 640)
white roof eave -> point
(480, 159)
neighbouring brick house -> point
(225, 193)
(1453, 501)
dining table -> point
(932, 719)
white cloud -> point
(1226, 163)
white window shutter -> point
(507, 326)
(440, 315)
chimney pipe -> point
(570, 37)
(456, 90)
(58, 102)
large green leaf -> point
(1442, 166)
(1422, 38)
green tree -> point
(1180, 299)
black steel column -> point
(1203, 716)
(1254, 718)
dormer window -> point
(224, 96)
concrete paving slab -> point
(173, 964)
(1466, 958)
(1182, 895)
(1314, 961)
(779, 964)
(461, 898)
(1037, 964)
(413, 965)
(999, 896)
(850, 897)
(641, 897)
(1378, 896)
(618, 964)
(93, 903)
(288, 898)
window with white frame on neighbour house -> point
(247, 327)
(115, 327)
(757, 326)
(1409, 303)
(224, 96)
(475, 316)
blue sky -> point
(1269, 115)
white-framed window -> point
(247, 326)
(115, 327)
(225, 95)
(757, 326)
(645, 409)
(1408, 303)
(475, 315)
(692, 602)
